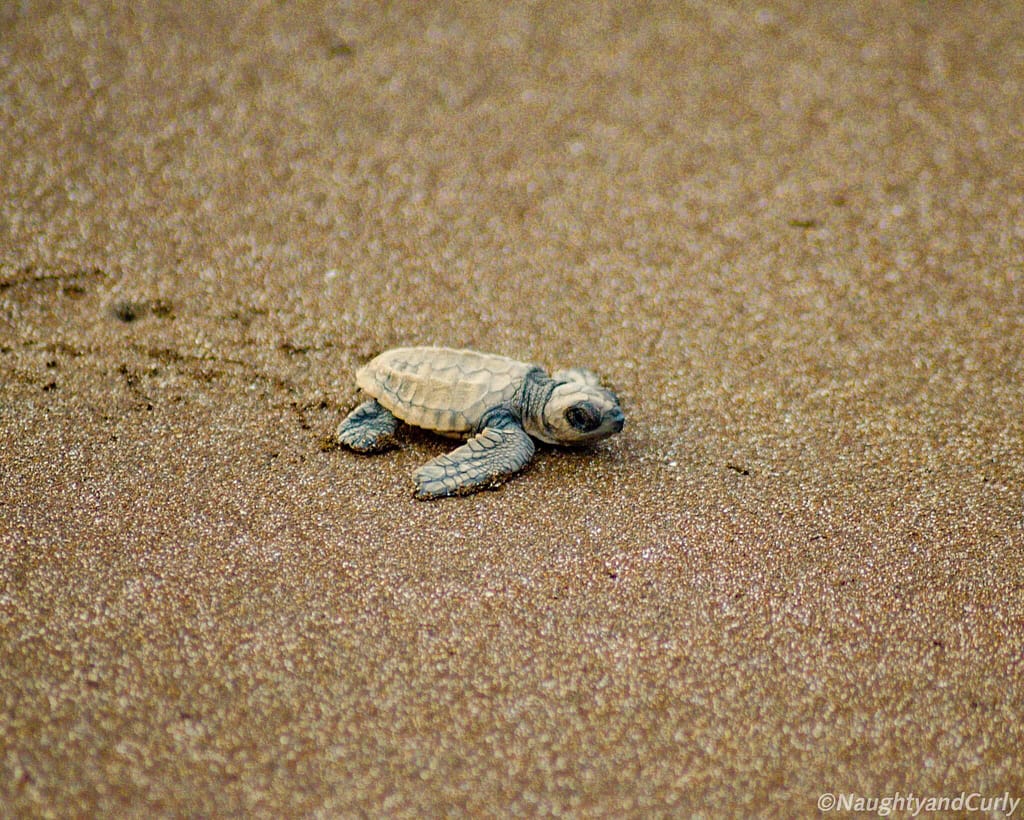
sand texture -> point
(790, 236)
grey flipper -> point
(501, 449)
(369, 428)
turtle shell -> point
(439, 388)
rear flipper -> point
(369, 428)
(500, 450)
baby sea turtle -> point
(495, 402)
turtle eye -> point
(583, 417)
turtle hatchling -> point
(495, 402)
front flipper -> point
(500, 450)
(369, 428)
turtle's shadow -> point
(407, 436)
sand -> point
(790, 238)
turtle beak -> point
(617, 420)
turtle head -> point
(578, 413)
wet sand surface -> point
(792, 242)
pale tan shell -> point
(439, 388)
